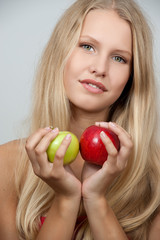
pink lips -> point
(97, 87)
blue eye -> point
(87, 47)
(119, 59)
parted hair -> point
(134, 196)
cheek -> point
(70, 76)
(121, 85)
(67, 73)
(117, 86)
(120, 78)
(71, 69)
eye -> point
(87, 47)
(119, 59)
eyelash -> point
(85, 46)
(122, 60)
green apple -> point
(71, 152)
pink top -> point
(42, 220)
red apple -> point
(92, 148)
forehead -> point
(106, 24)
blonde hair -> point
(134, 196)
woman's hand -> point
(59, 177)
(97, 179)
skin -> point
(101, 62)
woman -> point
(96, 69)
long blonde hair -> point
(134, 196)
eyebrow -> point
(123, 51)
(97, 42)
(89, 38)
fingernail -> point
(103, 134)
(55, 130)
(68, 136)
(47, 128)
(112, 124)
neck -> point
(80, 120)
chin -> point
(88, 103)
(90, 109)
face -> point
(100, 65)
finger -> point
(33, 147)
(123, 158)
(124, 137)
(31, 143)
(111, 149)
(111, 166)
(102, 124)
(41, 148)
(35, 138)
(119, 130)
(126, 144)
(112, 126)
(59, 156)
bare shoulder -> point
(10, 147)
(9, 155)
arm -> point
(96, 180)
(60, 221)
(8, 199)
(61, 218)
(103, 221)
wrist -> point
(94, 198)
(98, 203)
(64, 206)
(63, 200)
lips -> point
(92, 84)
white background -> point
(25, 27)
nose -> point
(99, 66)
